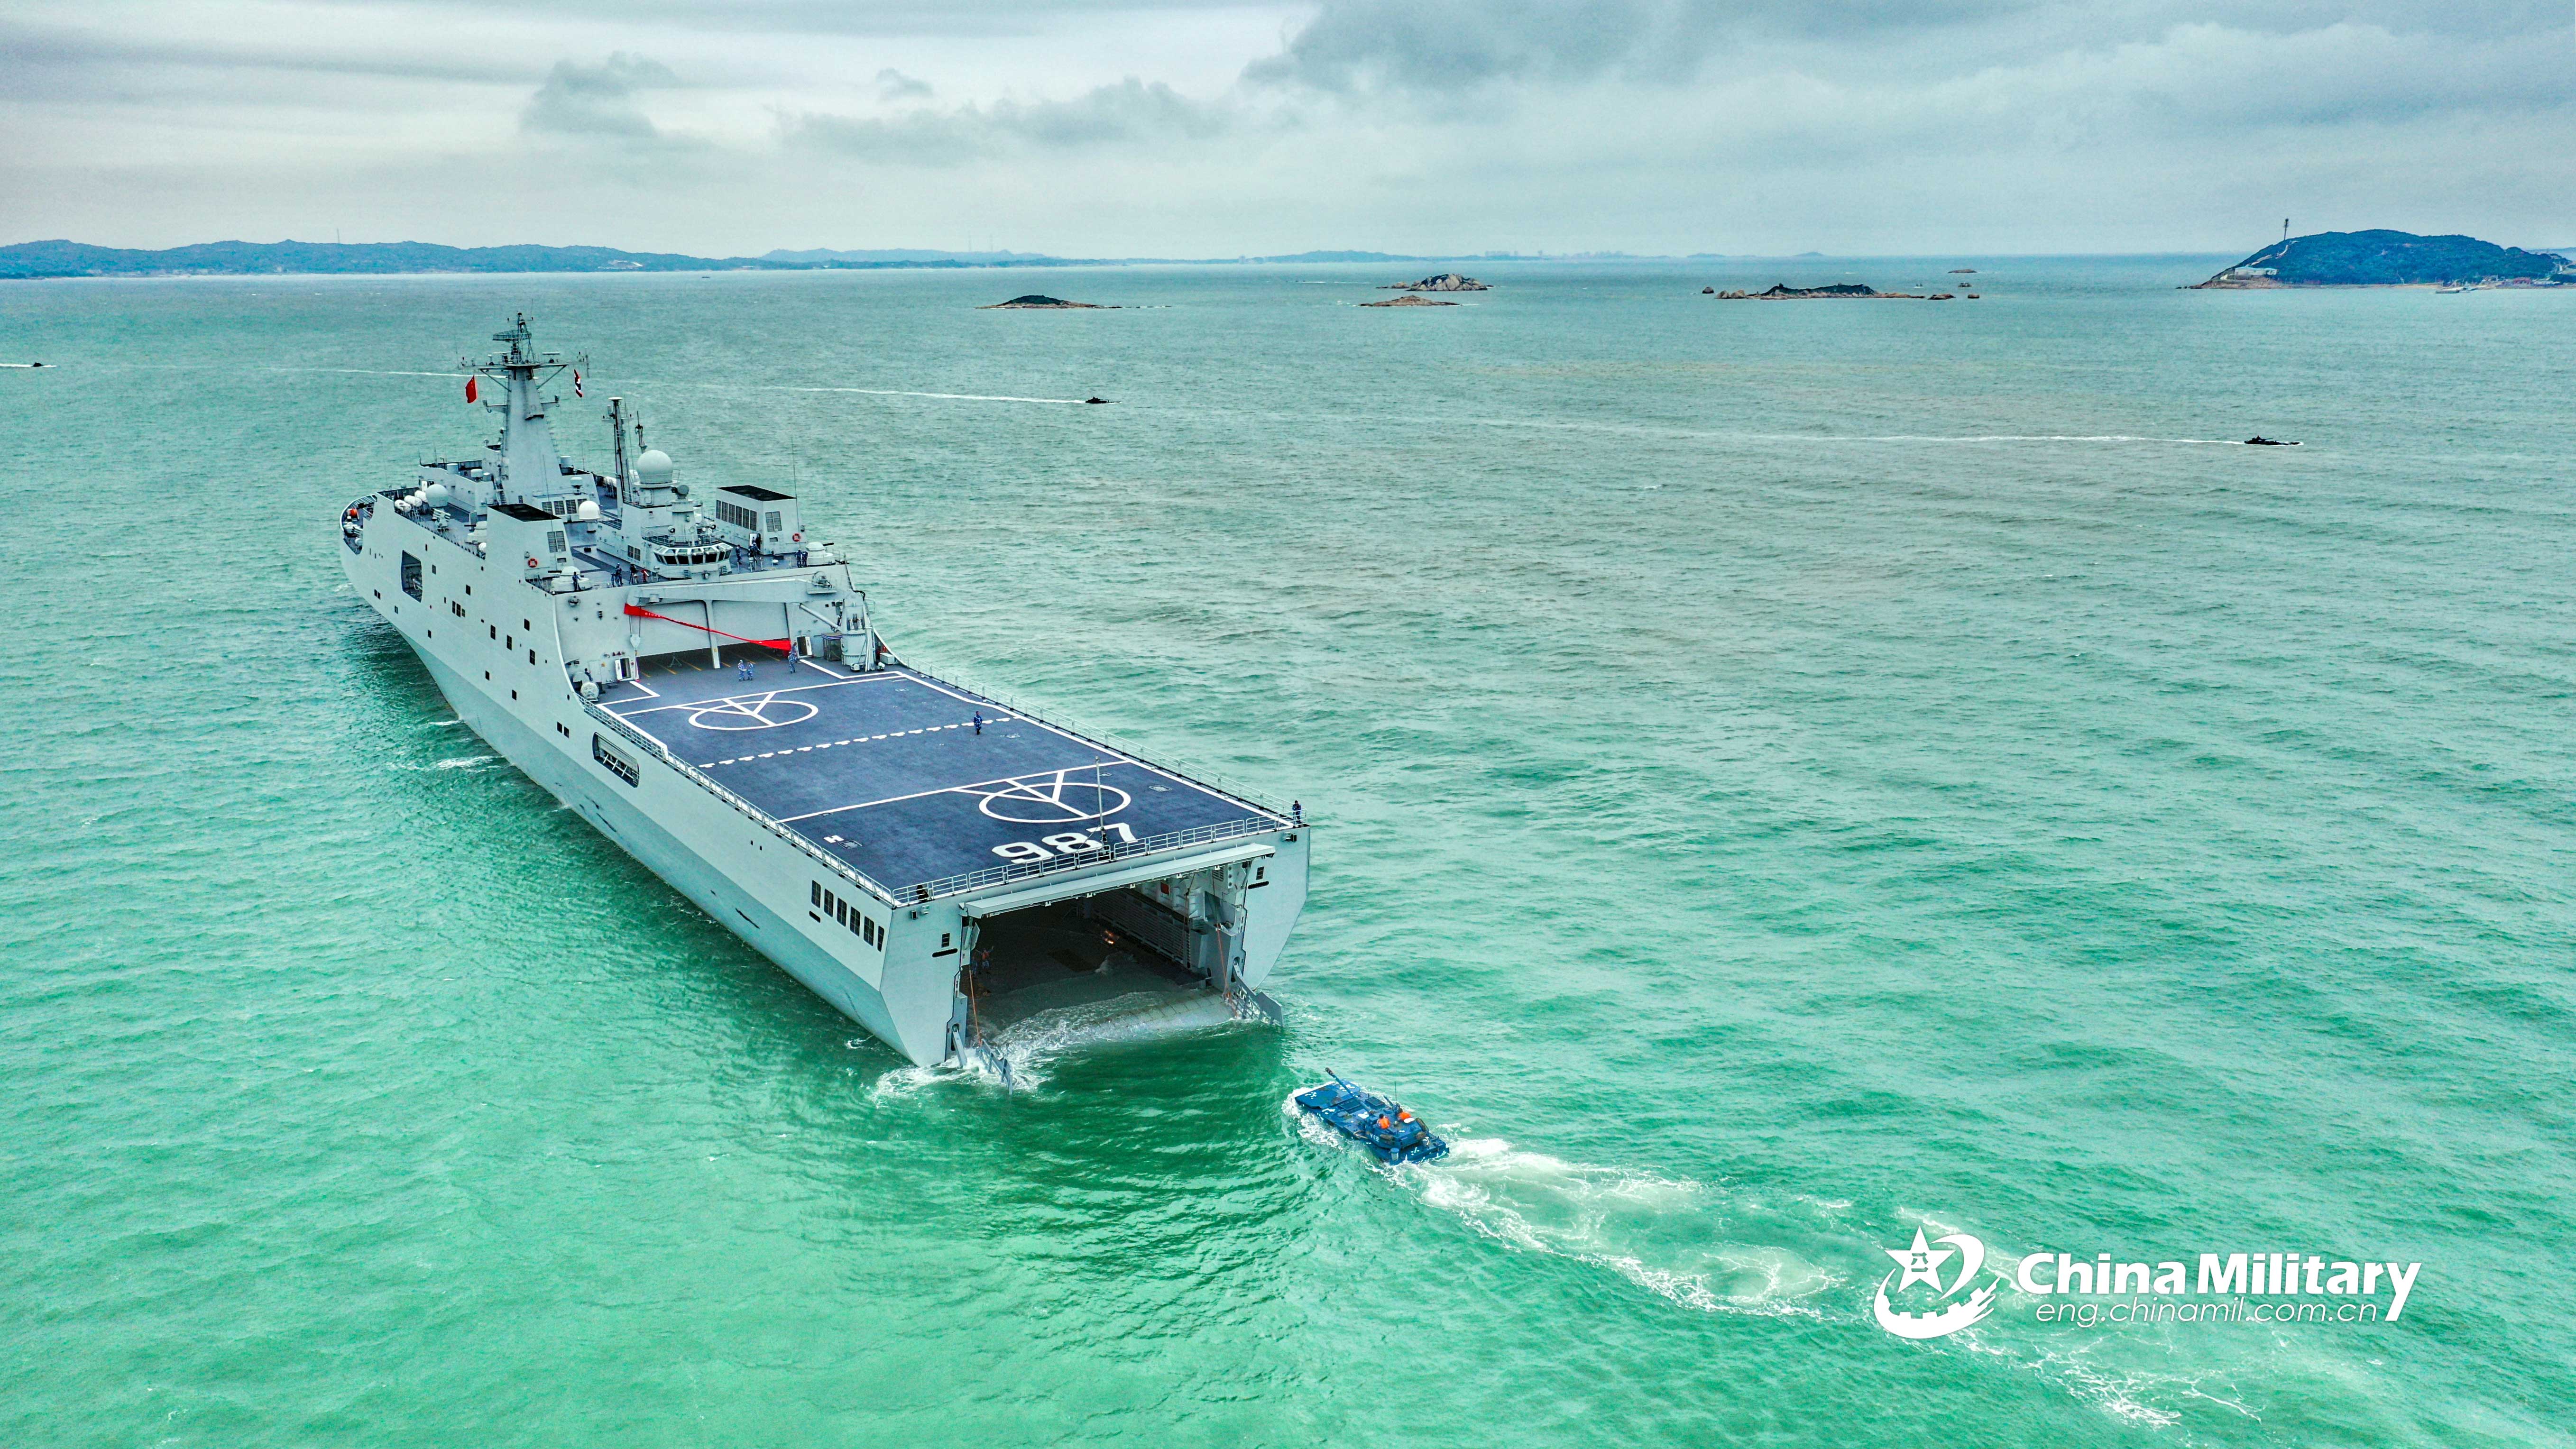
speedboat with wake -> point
(1380, 1125)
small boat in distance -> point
(1374, 1122)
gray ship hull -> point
(877, 922)
(659, 851)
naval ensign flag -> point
(469, 387)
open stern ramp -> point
(887, 772)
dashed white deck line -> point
(963, 724)
(718, 701)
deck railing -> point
(1107, 741)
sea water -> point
(1790, 774)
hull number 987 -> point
(1069, 842)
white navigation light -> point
(653, 470)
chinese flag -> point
(469, 388)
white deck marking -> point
(922, 794)
(719, 700)
(928, 683)
(865, 739)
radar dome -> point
(589, 511)
(435, 494)
(653, 470)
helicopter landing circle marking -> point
(1055, 798)
(751, 712)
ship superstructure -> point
(702, 679)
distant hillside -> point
(910, 257)
(2385, 259)
(239, 258)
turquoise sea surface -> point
(1791, 774)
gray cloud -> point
(894, 85)
(1447, 45)
(598, 100)
(79, 62)
(1128, 113)
(1723, 125)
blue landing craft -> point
(1381, 1126)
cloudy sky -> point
(1112, 127)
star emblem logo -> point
(1922, 1262)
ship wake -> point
(1677, 1239)
(1022, 1055)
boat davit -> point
(1374, 1122)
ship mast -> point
(617, 442)
(531, 468)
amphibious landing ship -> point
(701, 678)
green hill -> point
(236, 258)
(2385, 259)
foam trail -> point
(739, 387)
(1999, 438)
(230, 367)
(1030, 1046)
(1579, 425)
(1661, 1234)
(950, 396)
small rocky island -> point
(1039, 302)
(1408, 300)
(1445, 282)
(2390, 259)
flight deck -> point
(886, 771)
